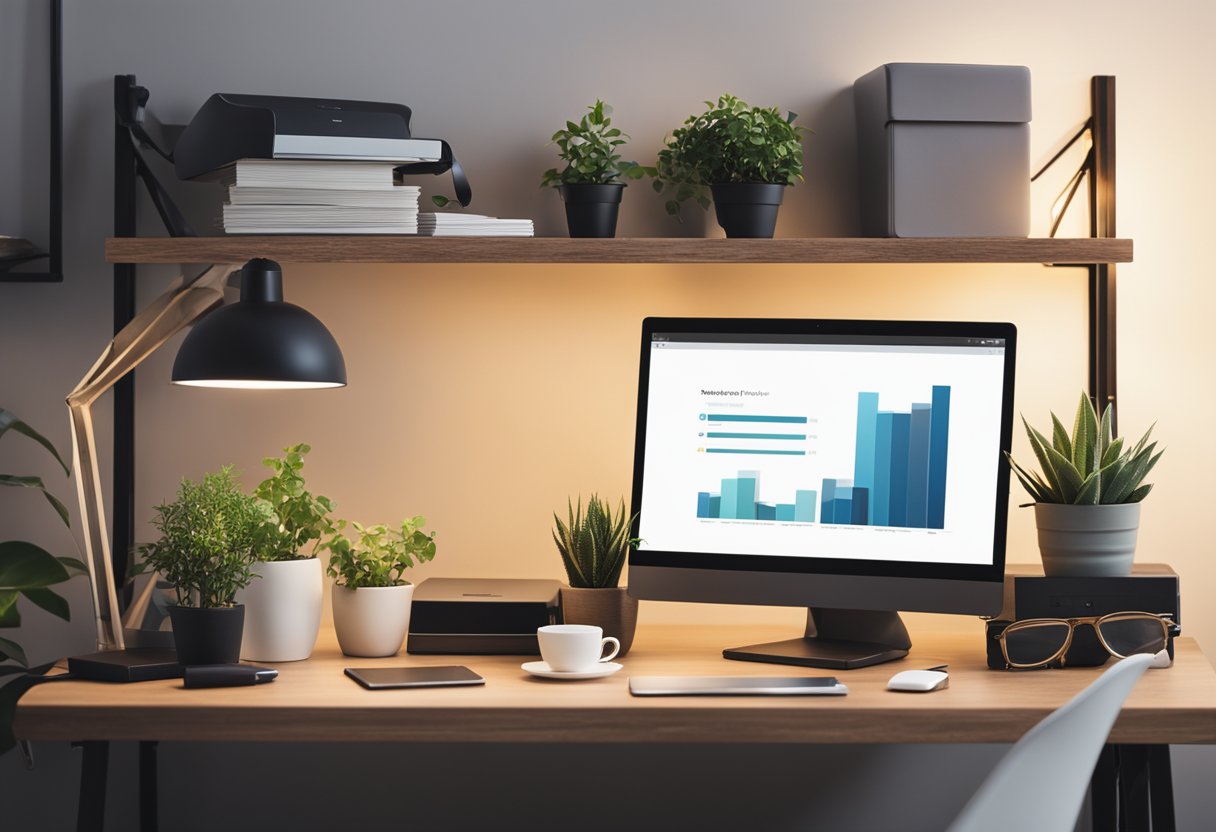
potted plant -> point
(593, 547)
(745, 155)
(1087, 499)
(590, 183)
(283, 606)
(206, 548)
(371, 596)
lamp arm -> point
(178, 307)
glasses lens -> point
(1130, 635)
(1031, 644)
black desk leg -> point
(1103, 792)
(91, 811)
(1133, 788)
(1161, 788)
(148, 807)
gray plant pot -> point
(1087, 541)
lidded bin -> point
(944, 150)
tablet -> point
(385, 678)
(736, 686)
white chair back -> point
(1041, 782)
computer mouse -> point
(919, 681)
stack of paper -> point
(272, 196)
(471, 225)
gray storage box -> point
(944, 150)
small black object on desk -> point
(227, 675)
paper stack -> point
(471, 225)
(272, 196)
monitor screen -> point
(841, 446)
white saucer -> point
(598, 672)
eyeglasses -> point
(1038, 642)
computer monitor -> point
(852, 467)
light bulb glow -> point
(258, 384)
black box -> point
(133, 665)
(482, 615)
(1152, 587)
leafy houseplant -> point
(371, 595)
(283, 606)
(1087, 496)
(593, 547)
(745, 156)
(208, 539)
(27, 571)
(590, 183)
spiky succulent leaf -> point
(1090, 490)
(1059, 437)
(1039, 445)
(1112, 452)
(594, 545)
(1070, 478)
(1133, 473)
(1105, 435)
(1085, 432)
(1140, 493)
(1034, 486)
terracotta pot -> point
(611, 609)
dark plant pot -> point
(747, 209)
(591, 209)
(208, 636)
(612, 609)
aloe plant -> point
(593, 545)
(1090, 467)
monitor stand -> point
(836, 639)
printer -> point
(230, 127)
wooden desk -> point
(313, 700)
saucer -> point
(542, 669)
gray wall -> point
(496, 79)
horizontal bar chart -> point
(758, 451)
(748, 417)
(717, 434)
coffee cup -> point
(574, 648)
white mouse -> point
(920, 681)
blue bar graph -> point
(939, 442)
(899, 467)
(745, 417)
(739, 500)
(754, 451)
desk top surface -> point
(314, 701)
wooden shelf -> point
(401, 249)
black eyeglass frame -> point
(1169, 629)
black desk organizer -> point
(1150, 588)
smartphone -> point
(386, 678)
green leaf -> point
(9, 615)
(9, 421)
(11, 651)
(1039, 491)
(1105, 435)
(1039, 445)
(1112, 452)
(26, 566)
(1140, 493)
(1059, 437)
(1085, 432)
(1070, 478)
(1132, 474)
(1090, 490)
(37, 484)
(50, 601)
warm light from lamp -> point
(258, 384)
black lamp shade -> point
(260, 342)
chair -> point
(1041, 782)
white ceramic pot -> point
(1087, 541)
(282, 610)
(372, 621)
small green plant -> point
(209, 537)
(730, 142)
(593, 546)
(379, 555)
(589, 149)
(303, 518)
(1091, 467)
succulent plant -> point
(593, 545)
(1091, 467)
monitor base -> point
(835, 639)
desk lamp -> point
(261, 342)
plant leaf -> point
(11, 651)
(1039, 445)
(1070, 478)
(37, 484)
(9, 421)
(50, 601)
(1059, 437)
(26, 566)
(1140, 493)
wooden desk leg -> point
(1161, 788)
(1133, 788)
(91, 811)
(1104, 793)
(148, 804)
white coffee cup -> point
(574, 648)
